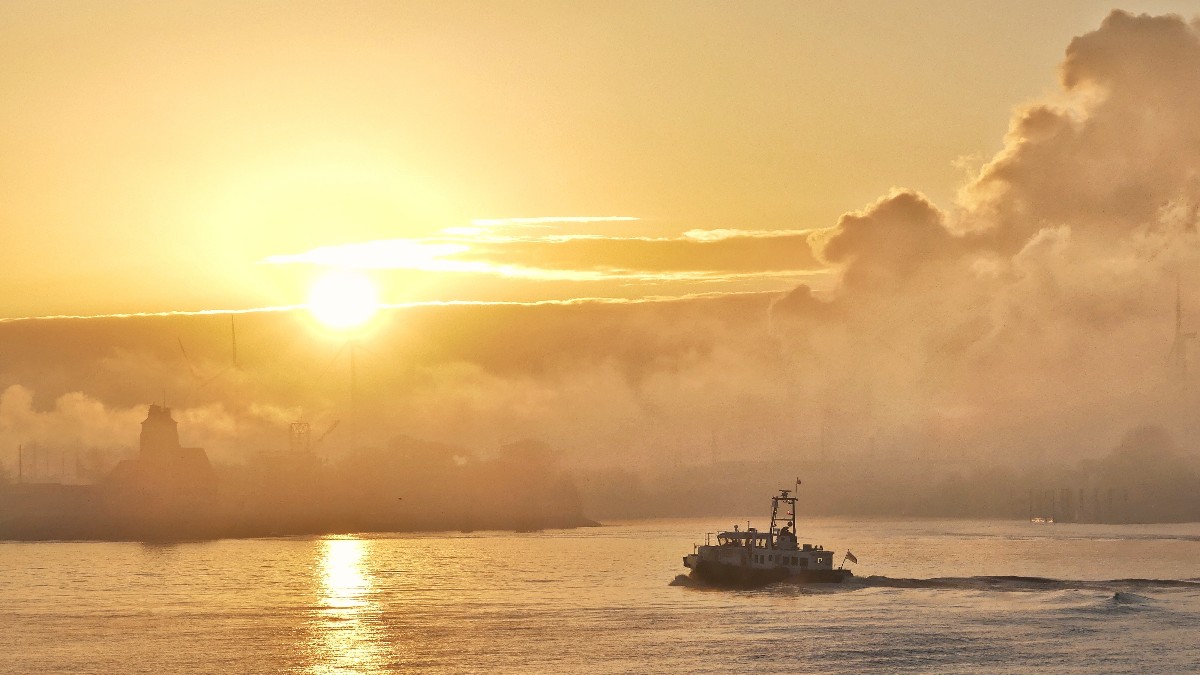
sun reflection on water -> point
(346, 632)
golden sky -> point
(203, 155)
(910, 225)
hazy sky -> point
(153, 154)
(885, 230)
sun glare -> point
(343, 300)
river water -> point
(945, 596)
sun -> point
(343, 299)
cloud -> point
(726, 233)
(136, 315)
(548, 220)
(1123, 145)
(727, 253)
(476, 375)
(1111, 170)
(74, 421)
(1041, 302)
(889, 241)
(706, 256)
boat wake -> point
(1122, 587)
(1124, 591)
(1126, 598)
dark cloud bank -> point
(970, 359)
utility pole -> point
(824, 433)
(353, 393)
(1178, 356)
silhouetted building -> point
(170, 493)
(165, 475)
(167, 491)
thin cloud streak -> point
(549, 220)
(138, 315)
(512, 271)
(723, 234)
(568, 302)
(435, 264)
(562, 302)
(727, 255)
(696, 235)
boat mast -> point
(789, 516)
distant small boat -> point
(753, 558)
(1039, 520)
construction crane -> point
(326, 433)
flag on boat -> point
(851, 558)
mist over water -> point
(687, 431)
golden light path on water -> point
(346, 635)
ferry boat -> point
(752, 558)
